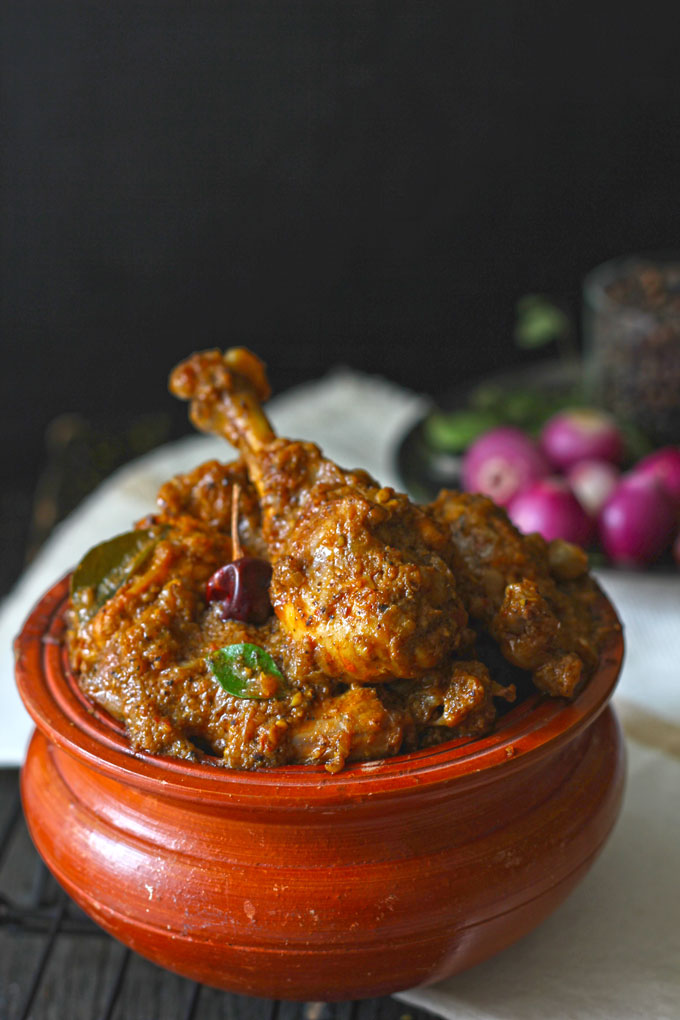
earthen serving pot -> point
(294, 883)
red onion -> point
(676, 549)
(550, 508)
(581, 434)
(592, 482)
(637, 521)
(502, 462)
(663, 466)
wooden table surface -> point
(56, 964)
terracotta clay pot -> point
(294, 883)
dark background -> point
(373, 182)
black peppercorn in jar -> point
(632, 336)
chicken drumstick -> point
(360, 574)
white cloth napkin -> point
(613, 949)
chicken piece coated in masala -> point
(368, 651)
(361, 576)
(534, 597)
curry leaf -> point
(246, 671)
(455, 431)
(107, 566)
(539, 321)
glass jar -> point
(632, 342)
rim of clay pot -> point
(537, 726)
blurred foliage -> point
(539, 322)
(491, 404)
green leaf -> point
(454, 432)
(527, 407)
(106, 567)
(539, 322)
(246, 671)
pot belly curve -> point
(322, 902)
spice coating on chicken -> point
(534, 597)
(369, 640)
(143, 656)
(360, 574)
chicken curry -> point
(279, 609)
